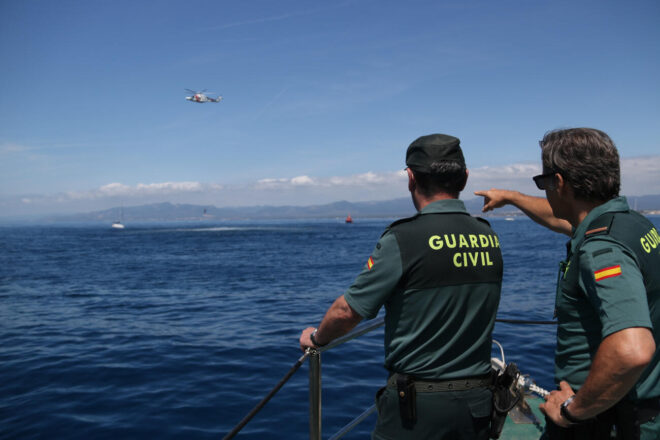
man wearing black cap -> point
(439, 275)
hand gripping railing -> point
(315, 382)
(314, 355)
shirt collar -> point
(617, 204)
(444, 206)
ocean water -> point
(178, 330)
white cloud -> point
(116, 189)
(168, 187)
(514, 176)
(302, 181)
(356, 180)
(639, 176)
(368, 178)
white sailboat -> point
(118, 224)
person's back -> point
(441, 321)
(439, 276)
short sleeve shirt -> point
(433, 329)
(599, 292)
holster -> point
(405, 387)
(505, 396)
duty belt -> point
(435, 386)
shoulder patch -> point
(608, 272)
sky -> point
(320, 99)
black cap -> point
(433, 148)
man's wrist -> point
(312, 338)
(563, 409)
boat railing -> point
(314, 355)
(315, 408)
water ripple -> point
(177, 332)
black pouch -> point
(505, 396)
(405, 388)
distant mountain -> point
(184, 212)
(645, 203)
(395, 208)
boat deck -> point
(528, 429)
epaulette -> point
(400, 221)
(483, 220)
(600, 226)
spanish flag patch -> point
(608, 272)
(370, 263)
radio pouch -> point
(405, 387)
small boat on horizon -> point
(349, 219)
(118, 224)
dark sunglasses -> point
(541, 180)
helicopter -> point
(201, 97)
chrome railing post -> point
(315, 395)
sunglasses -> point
(542, 179)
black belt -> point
(647, 409)
(653, 403)
(435, 386)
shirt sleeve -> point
(610, 276)
(378, 279)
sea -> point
(177, 330)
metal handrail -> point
(315, 375)
(315, 381)
(358, 331)
(314, 355)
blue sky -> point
(320, 98)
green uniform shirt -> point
(606, 285)
(439, 276)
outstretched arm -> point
(338, 320)
(536, 208)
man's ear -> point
(467, 174)
(562, 186)
(411, 180)
(564, 189)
